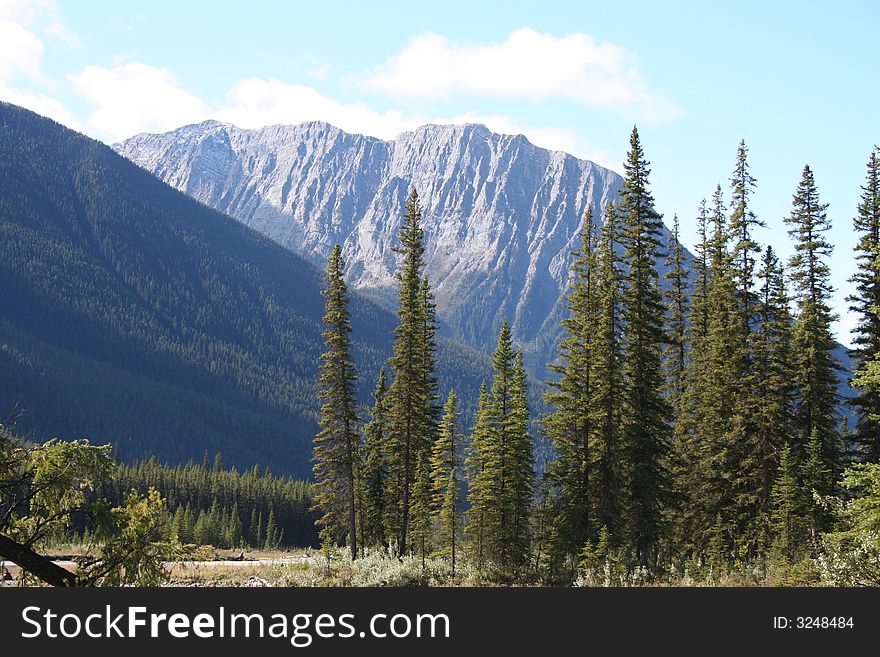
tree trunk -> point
(36, 564)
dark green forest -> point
(210, 505)
(696, 422)
(134, 315)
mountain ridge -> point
(135, 315)
(501, 215)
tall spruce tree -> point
(336, 451)
(446, 474)
(412, 394)
(676, 298)
(646, 414)
(569, 425)
(745, 250)
(686, 447)
(815, 365)
(501, 490)
(707, 447)
(865, 303)
(522, 470)
(607, 399)
(787, 515)
(774, 386)
(422, 508)
(481, 482)
(699, 308)
(375, 469)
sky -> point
(796, 80)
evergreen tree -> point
(502, 464)
(498, 465)
(481, 487)
(707, 442)
(745, 249)
(445, 472)
(699, 307)
(337, 444)
(428, 345)
(422, 508)
(569, 426)
(376, 433)
(234, 531)
(522, 470)
(774, 386)
(412, 409)
(815, 366)
(273, 538)
(178, 529)
(260, 533)
(253, 538)
(189, 524)
(606, 402)
(646, 413)
(815, 477)
(676, 297)
(865, 302)
(787, 508)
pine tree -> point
(569, 426)
(445, 472)
(376, 433)
(189, 525)
(273, 538)
(745, 249)
(815, 365)
(676, 297)
(774, 386)
(429, 383)
(866, 301)
(646, 414)
(699, 307)
(260, 533)
(422, 508)
(787, 508)
(253, 538)
(522, 470)
(412, 395)
(606, 402)
(178, 529)
(748, 447)
(815, 477)
(234, 537)
(481, 487)
(501, 464)
(337, 444)
(498, 464)
(706, 449)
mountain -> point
(135, 315)
(501, 216)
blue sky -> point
(796, 80)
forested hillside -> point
(135, 315)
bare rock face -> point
(501, 216)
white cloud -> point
(254, 103)
(41, 104)
(135, 97)
(527, 65)
(21, 58)
(21, 52)
(43, 14)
